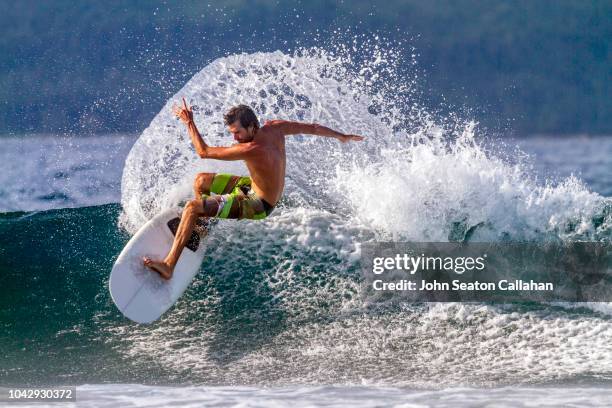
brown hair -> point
(244, 114)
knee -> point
(203, 181)
(192, 206)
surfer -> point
(238, 197)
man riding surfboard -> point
(237, 197)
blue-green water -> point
(265, 309)
(276, 308)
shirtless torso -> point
(267, 163)
(263, 150)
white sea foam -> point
(415, 176)
(133, 395)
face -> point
(241, 134)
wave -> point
(278, 301)
(417, 176)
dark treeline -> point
(530, 66)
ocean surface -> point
(275, 315)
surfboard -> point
(139, 292)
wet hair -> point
(244, 114)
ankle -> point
(171, 263)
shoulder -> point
(286, 127)
(275, 126)
(274, 122)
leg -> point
(202, 183)
(218, 183)
(193, 210)
(201, 186)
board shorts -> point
(236, 198)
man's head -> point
(242, 122)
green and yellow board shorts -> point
(236, 198)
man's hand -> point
(184, 113)
(346, 138)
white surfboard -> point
(139, 292)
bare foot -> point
(164, 270)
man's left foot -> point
(164, 270)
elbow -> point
(203, 154)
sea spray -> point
(417, 176)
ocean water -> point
(275, 315)
(42, 172)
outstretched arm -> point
(293, 128)
(239, 151)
